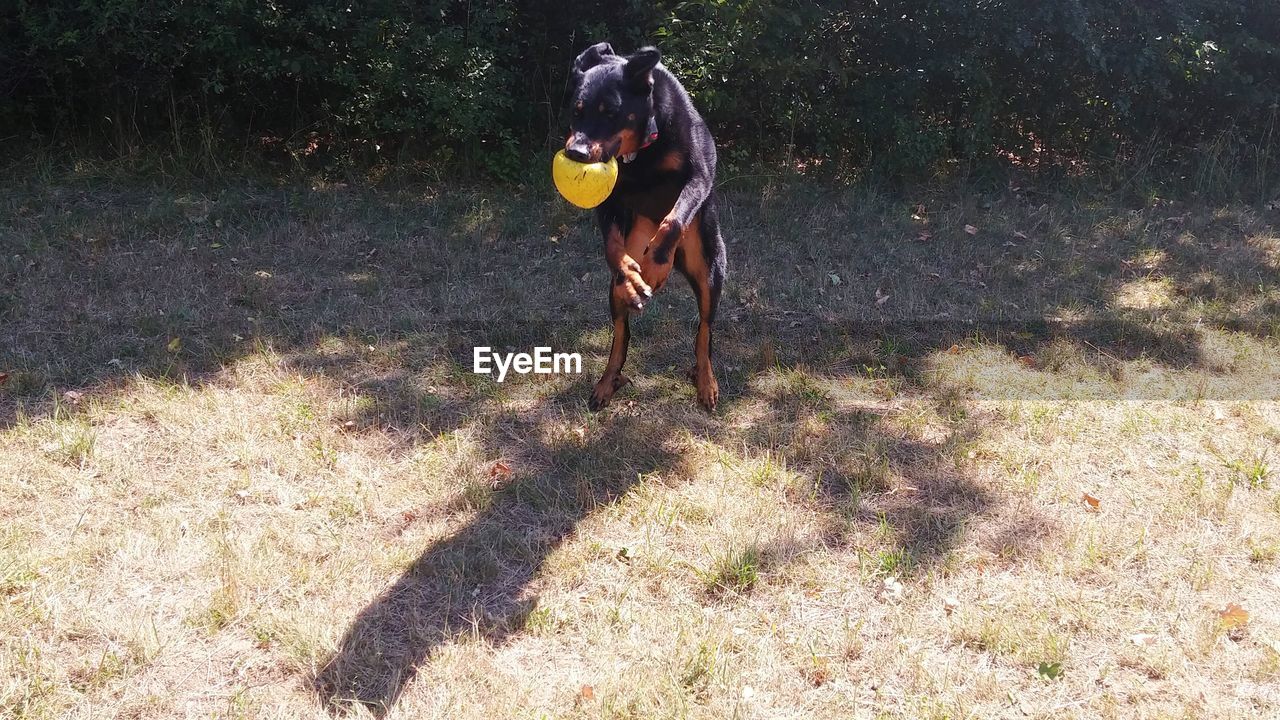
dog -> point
(661, 213)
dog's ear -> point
(639, 68)
(591, 57)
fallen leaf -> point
(1143, 639)
(949, 604)
(499, 474)
(835, 279)
(1027, 361)
(587, 692)
(1233, 616)
(882, 298)
(971, 229)
(4, 377)
(1020, 235)
(925, 236)
(1218, 414)
(174, 345)
(73, 396)
(1092, 501)
(581, 432)
(953, 350)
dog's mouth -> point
(583, 150)
(623, 146)
(612, 149)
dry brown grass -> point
(276, 490)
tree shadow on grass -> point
(99, 284)
(113, 281)
(862, 473)
(479, 582)
(1110, 285)
(476, 582)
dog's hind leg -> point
(706, 277)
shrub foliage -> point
(902, 84)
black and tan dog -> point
(661, 213)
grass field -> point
(976, 456)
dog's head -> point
(612, 105)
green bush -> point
(906, 83)
(897, 85)
(371, 71)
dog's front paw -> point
(708, 391)
(604, 391)
(635, 291)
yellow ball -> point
(584, 184)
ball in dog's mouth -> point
(584, 184)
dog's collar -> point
(650, 135)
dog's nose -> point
(577, 153)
